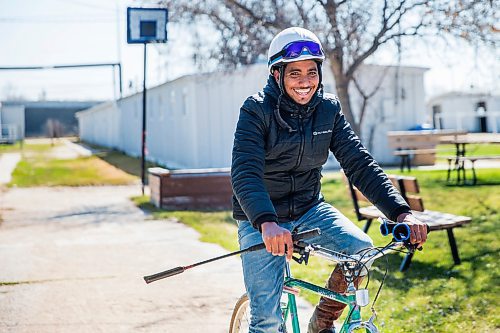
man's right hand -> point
(275, 238)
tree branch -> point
(250, 13)
(366, 96)
(301, 11)
(382, 32)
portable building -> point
(41, 118)
(473, 112)
(190, 121)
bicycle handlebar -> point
(178, 270)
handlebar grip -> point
(165, 274)
(400, 231)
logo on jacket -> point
(322, 132)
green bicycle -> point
(352, 265)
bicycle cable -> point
(379, 250)
(365, 267)
(383, 278)
(365, 252)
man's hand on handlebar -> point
(418, 229)
(275, 238)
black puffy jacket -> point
(278, 157)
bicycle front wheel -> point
(240, 319)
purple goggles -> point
(295, 49)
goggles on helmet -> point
(294, 50)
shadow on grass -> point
(130, 165)
(145, 206)
(480, 183)
(417, 273)
(421, 273)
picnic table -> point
(417, 147)
(457, 163)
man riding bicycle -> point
(282, 140)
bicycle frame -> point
(291, 308)
(354, 298)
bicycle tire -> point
(240, 319)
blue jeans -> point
(263, 272)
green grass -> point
(7, 148)
(24, 148)
(38, 168)
(84, 171)
(434, 295)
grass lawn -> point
(39, 168)
(434, 295)
(7, 148)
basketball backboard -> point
(147, 25)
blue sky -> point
(57, 32)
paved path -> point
(8, 162)
(73, 259)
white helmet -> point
(294, 44)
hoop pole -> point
(143, 145)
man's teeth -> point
(302, 91)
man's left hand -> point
(418, 229)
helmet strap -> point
(320, 72)
(281, 78)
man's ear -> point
(276, 74)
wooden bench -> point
(409, 189)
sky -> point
(66, 32)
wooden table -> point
(460, 157)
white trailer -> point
(191, 120)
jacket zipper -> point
(302, 142)
(290, 203)
(299, 159)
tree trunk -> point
(342, 87)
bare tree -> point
(351, 30)
(54, 129)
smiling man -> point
(301, 80)
(283, 137)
